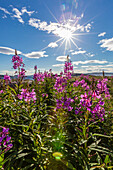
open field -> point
(56, 122)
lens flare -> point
(57, 155)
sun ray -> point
(74, 43)
(54, 42)
(68, 29)
(78, 49)
(65, 47)
(75, 38)
(51, 12)
(62, 43)
(69, 44)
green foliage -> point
(38, 131)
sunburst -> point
(68, 31)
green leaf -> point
(107, 159)
(96, 134)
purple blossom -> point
(6, 77)
(22, 73)
(67, 68)
(27, 96)
(64, 103)
(5, 140)
(35, 67)
(17, 61)
(1, 91)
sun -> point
(67, 29)
(66, 34)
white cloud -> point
(101, 34)
(105, 69)
(30, 71)
(36, 54)
(88, 27)
(88, 70)
(4, 16)
(53, 45)
(58, 65)
(62, 58)
(80, 71)
(34, 22)
(99, 66)
(24, 10)
(8, 51)
(95, 68)
(90, 55)
(108, 70)
(59, 29)
(71, 51)
(3, 72)
(17, 15)
(89, 61)
(107, 43)
(5, 10)
(42, 25)
(78, 52)
(109, 65)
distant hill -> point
(93, 74)
(30, 77)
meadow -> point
(56, 122)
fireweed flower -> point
(94, 95)
(41, 76)
(7, 78)
(44, 95)
(27, 96)
(35, 67)
(102, 88)
(1, 91)
(67, 68)
(22, 73)
(5, 140)
(17, 61)
(60, 84)
(93, 103)
(18, 64)
(64, 103)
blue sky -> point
(44, 32)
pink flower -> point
(35, 67)
(27, 96)
(6, 77)
(1, 91)
(95, 95)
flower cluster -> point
(27, 96)
(82, 83)
(22, 73)
(44, 95)
(41, 76)
(17, 61)
(93, 103)
(67, 68)
(18, 64)
(60, 84)
(64, 103)
(5, 140)
(1, 91)
(102, 88)
(7, 78)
